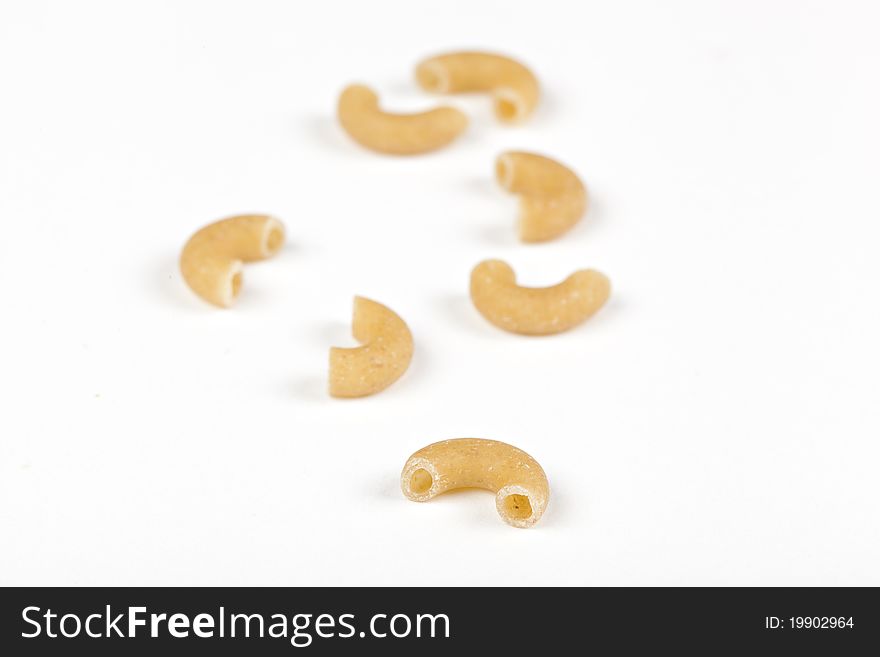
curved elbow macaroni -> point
(513, 86)
(380, 361)
(397, 134)
(552, 197)
(211, 261)
(519, 483)
(536, 310)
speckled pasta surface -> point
(552, 198)
(396, 134)
(513, 86)
(211, 261)
(519, 483)
(536, 310)
(383, 357)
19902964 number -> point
(820, 622)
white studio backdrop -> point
(716, 423)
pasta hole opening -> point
(235, 284)
(507, 109)
(517, 507)
(274, 239)
(504, 171)
(421, 481)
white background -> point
(717, 423)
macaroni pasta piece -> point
(519, 483)
(397, 134)
(514, 87)
(211, 261)
(380, 361)
(536, 310)
(552, 198)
